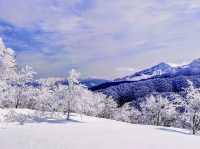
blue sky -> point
(100, 38)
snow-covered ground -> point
(92, 133)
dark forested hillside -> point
(126, 91)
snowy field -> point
(92, 133)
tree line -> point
(16, 92)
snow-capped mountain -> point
(91, 82)
(191, 69)
(161, 78)
(164, 69)
(157, 70)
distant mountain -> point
(91, 82)
(161, 78)
(191, 69)
(157, 70)
(164, 70)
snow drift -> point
(83, 132)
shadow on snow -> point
(174, 131)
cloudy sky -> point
(100, 38)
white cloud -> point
(178, 64)
(125, 69)
(106, 33)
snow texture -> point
(83, 132)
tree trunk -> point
(17, 104)
(158, 119)
(68, 110)
(68, 115)
(194, 124)
(18, 99)
(193, 131)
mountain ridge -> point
(174, 81)
(164, 69)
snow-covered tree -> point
(128, 113)
(13, 78)
(95, 104)
(77, 98)
(108, 107)
(69, 94)
(8, 64)
(193, 107)
(23, 76)
(157, 109)
(89, 103)
(84, 101)
(5, 94)
(30, 97)
(45, 100)
(8, 69)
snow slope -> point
(93, 133)
(157, 70)
(192, 68)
